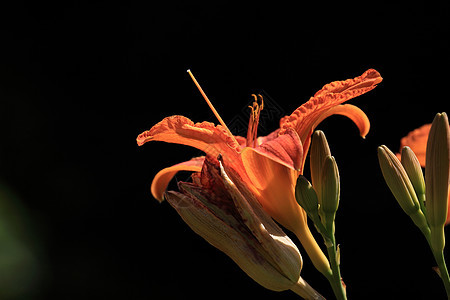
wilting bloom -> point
(266, 167)
(231, 219)
(417, 140)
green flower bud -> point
(413, 169)
(319, 151)
(437, 178)
(401, 187)
(415, 174)
(330, 192)
(330, 186)
(397, 180)
(306, 197)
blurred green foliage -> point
(20, 272)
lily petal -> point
(262, 139)
(266, 231)
(285, 149)
(417, 141)
(350, 111)
(368, 79)
(163, 177)
(274, 177)
(275, 188)
(205, 136)
(308, 115)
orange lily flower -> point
(417, 141)
(267, 167)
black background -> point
(79, 82)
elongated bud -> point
(330, 190)
(306, 197)
(413, 169)
(401, 187)
(437, 178)
(319, 151)
(397, 180)
(330, 185)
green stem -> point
(335, 278)
(439, 257)
(443, 272)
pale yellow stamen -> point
(211, 106)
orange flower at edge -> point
(269, 167)
(417, 141)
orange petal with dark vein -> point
(286, 149)
(206, 136)
(163, 177)
(263, 139)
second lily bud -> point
(413, 169)
(401, 187)
(397, 180)
(330, 191)
(407, 183)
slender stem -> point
(333, 276)
(439, 257)
(335, 279)
(443, 272)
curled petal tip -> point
(143, 138)
(374, 73)
(363, 132)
